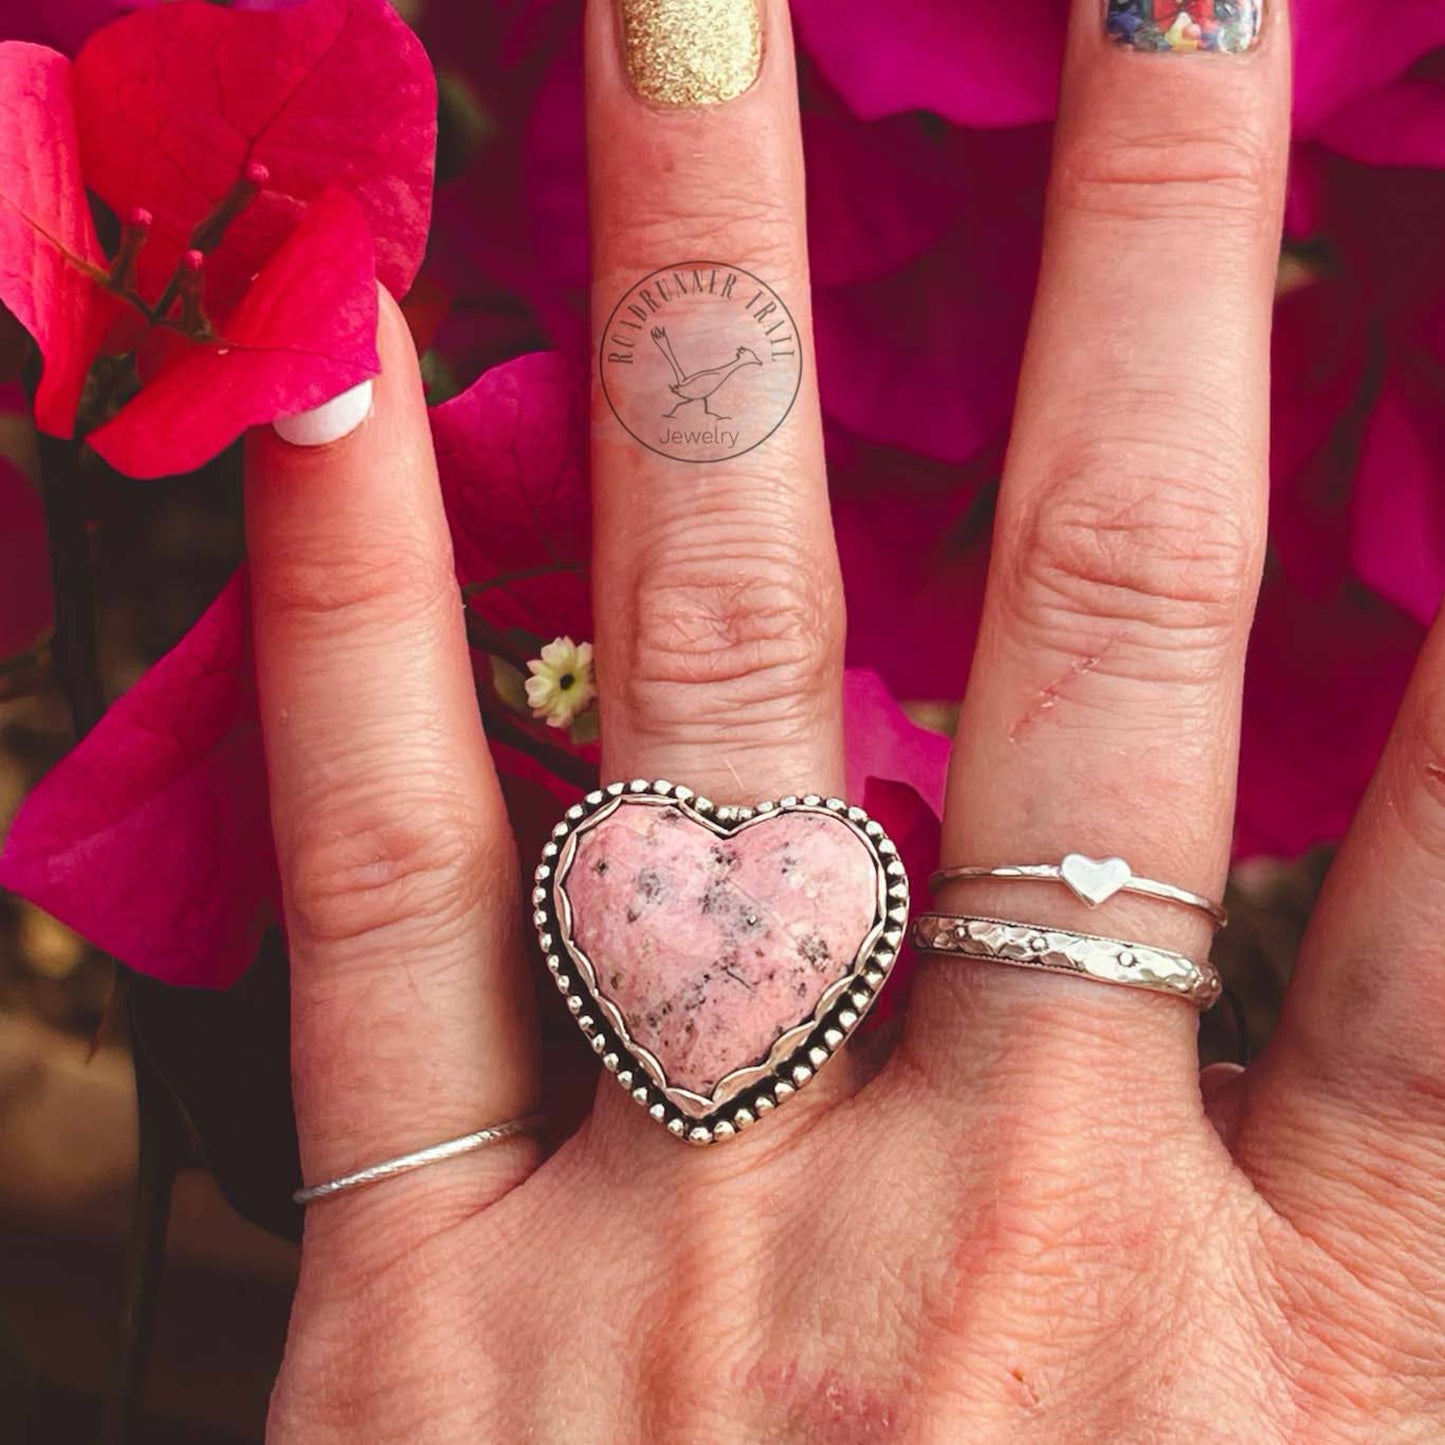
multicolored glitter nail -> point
(1182, 26)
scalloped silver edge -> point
(746, 1095)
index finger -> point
(411, 1018)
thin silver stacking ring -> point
(1093, 881)
(407, 1163)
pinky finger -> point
(1341, 1122)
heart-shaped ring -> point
(1095, 880)
(716, 957)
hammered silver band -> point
(407, 1163)
(1059, 950)
(1092, 881)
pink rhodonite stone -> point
(713, 946)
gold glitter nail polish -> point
(692, 52)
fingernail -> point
(692, 52)
(328, 422)
(1183, 26)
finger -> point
(1342, 1117)
(719, 649)
(1103, 712)
(411, 1023)
(720, 642)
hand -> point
(1029, 1222)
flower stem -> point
(522, 574)
(161, 1151)
(76, 655)
(485, 638)
(161, 1133)
(502, 727)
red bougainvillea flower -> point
(1329, 657)
(1397, 535)
(152, 838)
(260, 194)
(51, 264)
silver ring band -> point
(1059, 950)
(406, 1163)
(1092, 881)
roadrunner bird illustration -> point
(701, 384)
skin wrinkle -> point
(1338, 1359)
(718, 594)
(1219, 176)
(1172, 561)
(1420, 809)
(1043, 1226)
(743, 726)
(744, 517)
(748, 216)
(705, 630)
(1327, 1285)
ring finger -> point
(1103, 713)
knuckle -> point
(752, 623)
(1174, 560)
(398, 579)
(767, 224)
(1188, 176)
(373, 861)
(741, 218)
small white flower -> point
(561, 684)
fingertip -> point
(352, 475)
(397, 385)
(330, 422)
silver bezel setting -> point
(747, 1094)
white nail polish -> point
(328, 422)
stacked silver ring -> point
(1056, 950)
(1060, 950)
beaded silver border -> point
(746, 1095)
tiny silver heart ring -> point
(1094, 881)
